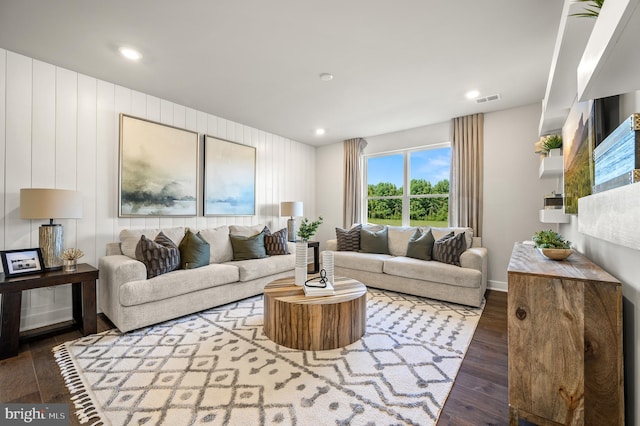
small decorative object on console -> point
(70, 259)
(552, 245)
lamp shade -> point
(48, 203)
(291, 208)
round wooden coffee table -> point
(315, 323)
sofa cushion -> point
(420, 245)
(399, 238)
(276, 244)
(218, 239)
(245, 248)
(258, 268)
(441, 232)
(371, 262)
(408, 267)
(449, 248)
(159, 256)
(178, 282)
(374, 241)
(194, 251)
(129, 238)
(348, 239)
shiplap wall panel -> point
(75, 119)
(3, 128)
(86, 164)
(43, 156)
(18, 147)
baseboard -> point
(497, 285)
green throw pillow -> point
(245, 248)
(374, 241)
(420, 245)
(194, 251)
(449, 248)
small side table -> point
(83, 295)
(315, 245)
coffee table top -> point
(285, 290)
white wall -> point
(622, 263)
(59, 129)
(513, 194)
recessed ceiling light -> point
(472, 94)
(325, 76)
(130, 53)
(320, 132)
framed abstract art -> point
(159, 169)
(229, 178)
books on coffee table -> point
(319, 291)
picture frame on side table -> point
(22, 262)
(159, 169)
(229, 178)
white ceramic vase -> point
(301, 262)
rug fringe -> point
(85, 409)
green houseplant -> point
(308, 229)
(591, 9)
(552, 245)
(552, 142)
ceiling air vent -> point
(488, 98)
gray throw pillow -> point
(449, 248)
(374, 241)
(348, 239)
(420, 245)
(159, 256)
(276, 244)
(245, 248)
(194, 251)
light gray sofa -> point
(465, 284)
(131, 301)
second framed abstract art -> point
(229, 178)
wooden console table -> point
(83, 294)
(565, 341)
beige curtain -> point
(465, 197)
(352, 181)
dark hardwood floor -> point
(478, 397)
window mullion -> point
(406, 191)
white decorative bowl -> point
(556, 253)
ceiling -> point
(396, 64)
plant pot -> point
(555, 253)
(70, 265)
(557, 152)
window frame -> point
(405, 197)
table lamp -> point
(291, 209)
(47, 203)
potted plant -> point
(552, 245)
(552, 143)
(593, 11)
(308, 229)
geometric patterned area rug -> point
(217, 367)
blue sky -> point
(432, 165)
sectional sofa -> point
(395, 271)
(132, 300)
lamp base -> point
(51, 245)
(291, 230)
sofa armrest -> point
(332, 245)
(475, 258)
(115, 271)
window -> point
(409, 187)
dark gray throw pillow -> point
(374, 241)
(449, 248)
(276, 244)
(159, 256)
(420, 245)
(245, 248)
(348, 239)
(194, 251)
